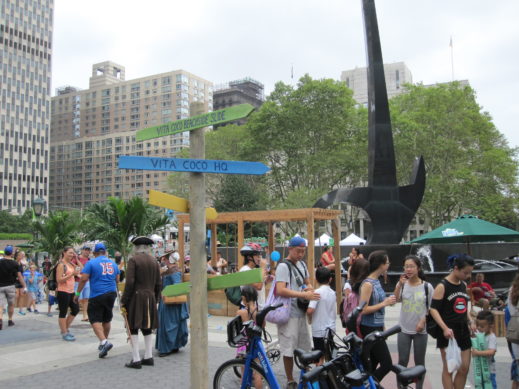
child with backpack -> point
(322, 312)
(416, 297)
(248, 310)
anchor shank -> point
(381, 158)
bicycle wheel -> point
(226, 377)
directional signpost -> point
(196, 166)
(192, 165)
(199, 121)
(175, 203)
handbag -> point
(512, 329)
(282, 314)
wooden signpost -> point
(197, 166)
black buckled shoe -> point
(134, 365)
(147, 362)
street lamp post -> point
(38, 206)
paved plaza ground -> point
(32, 355)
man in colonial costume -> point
(140, 297)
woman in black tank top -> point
(449, 309)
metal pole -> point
(199, 338)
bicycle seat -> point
(356, 378)
(407, 375)
(303, 358)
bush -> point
(15, 236)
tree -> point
(238, 193)
(115, 221)
(309, 136)
(15, 223)
(55, 232)
(470, 167)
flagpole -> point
(452, 59)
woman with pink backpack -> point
(358, 272)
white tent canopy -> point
(352, 240)
(324, 239)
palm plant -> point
(115, 221)
(56, 231)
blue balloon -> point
(275, 256)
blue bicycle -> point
(246, 373)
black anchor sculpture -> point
(390, 207)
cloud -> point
(229, 39)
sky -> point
(225, 40)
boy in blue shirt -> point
(103, 274)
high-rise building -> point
(397, 74)
(91, 128)
(238, 92)
(25, 88)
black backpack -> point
(52, 282)
(234, 295)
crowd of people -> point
(448, 304)
(87, 282)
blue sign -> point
(192, 165)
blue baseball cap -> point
(297, 241)
(99, 247)
(8, 250)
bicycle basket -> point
(235, 335)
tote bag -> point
(282, 314)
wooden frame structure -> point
(308, 215)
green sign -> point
(218, 282)
(195, 122)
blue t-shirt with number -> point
(103, 272)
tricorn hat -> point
(167, 254)
(138, 240)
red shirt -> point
(83, 260)
(485, 288)
(327, 258)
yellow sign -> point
(175, 203)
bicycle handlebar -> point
(313, 374)
(260, 317)
(387, 333)
(370, 340)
